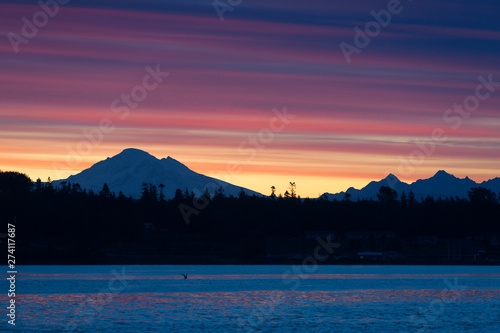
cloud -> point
(226, 77)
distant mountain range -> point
(131, 168)
(442, 184)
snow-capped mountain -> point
(442, 184)
(130, 169)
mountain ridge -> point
(128, 170)
(131, 168)
(441, 184)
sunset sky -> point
(352, 122)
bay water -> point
(256, 299)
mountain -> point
(442, 184)
(492, 184)
(371, 190)
(131, 168)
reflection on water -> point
(245, 298)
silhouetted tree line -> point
(70, 224)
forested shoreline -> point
(69, 225)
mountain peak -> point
(173, 163)
(443, 174)
(441, 184)
(391, 177)
(130, 169)
(390, 180)
(170, 159)
(133, 152)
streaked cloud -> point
(353, 121)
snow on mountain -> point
(442, 184)
(131, 168)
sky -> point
(256, 92)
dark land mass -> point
(69, 225)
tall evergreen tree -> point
(105, 192)
(411, 198)
(293, 190)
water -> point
(257, 298)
